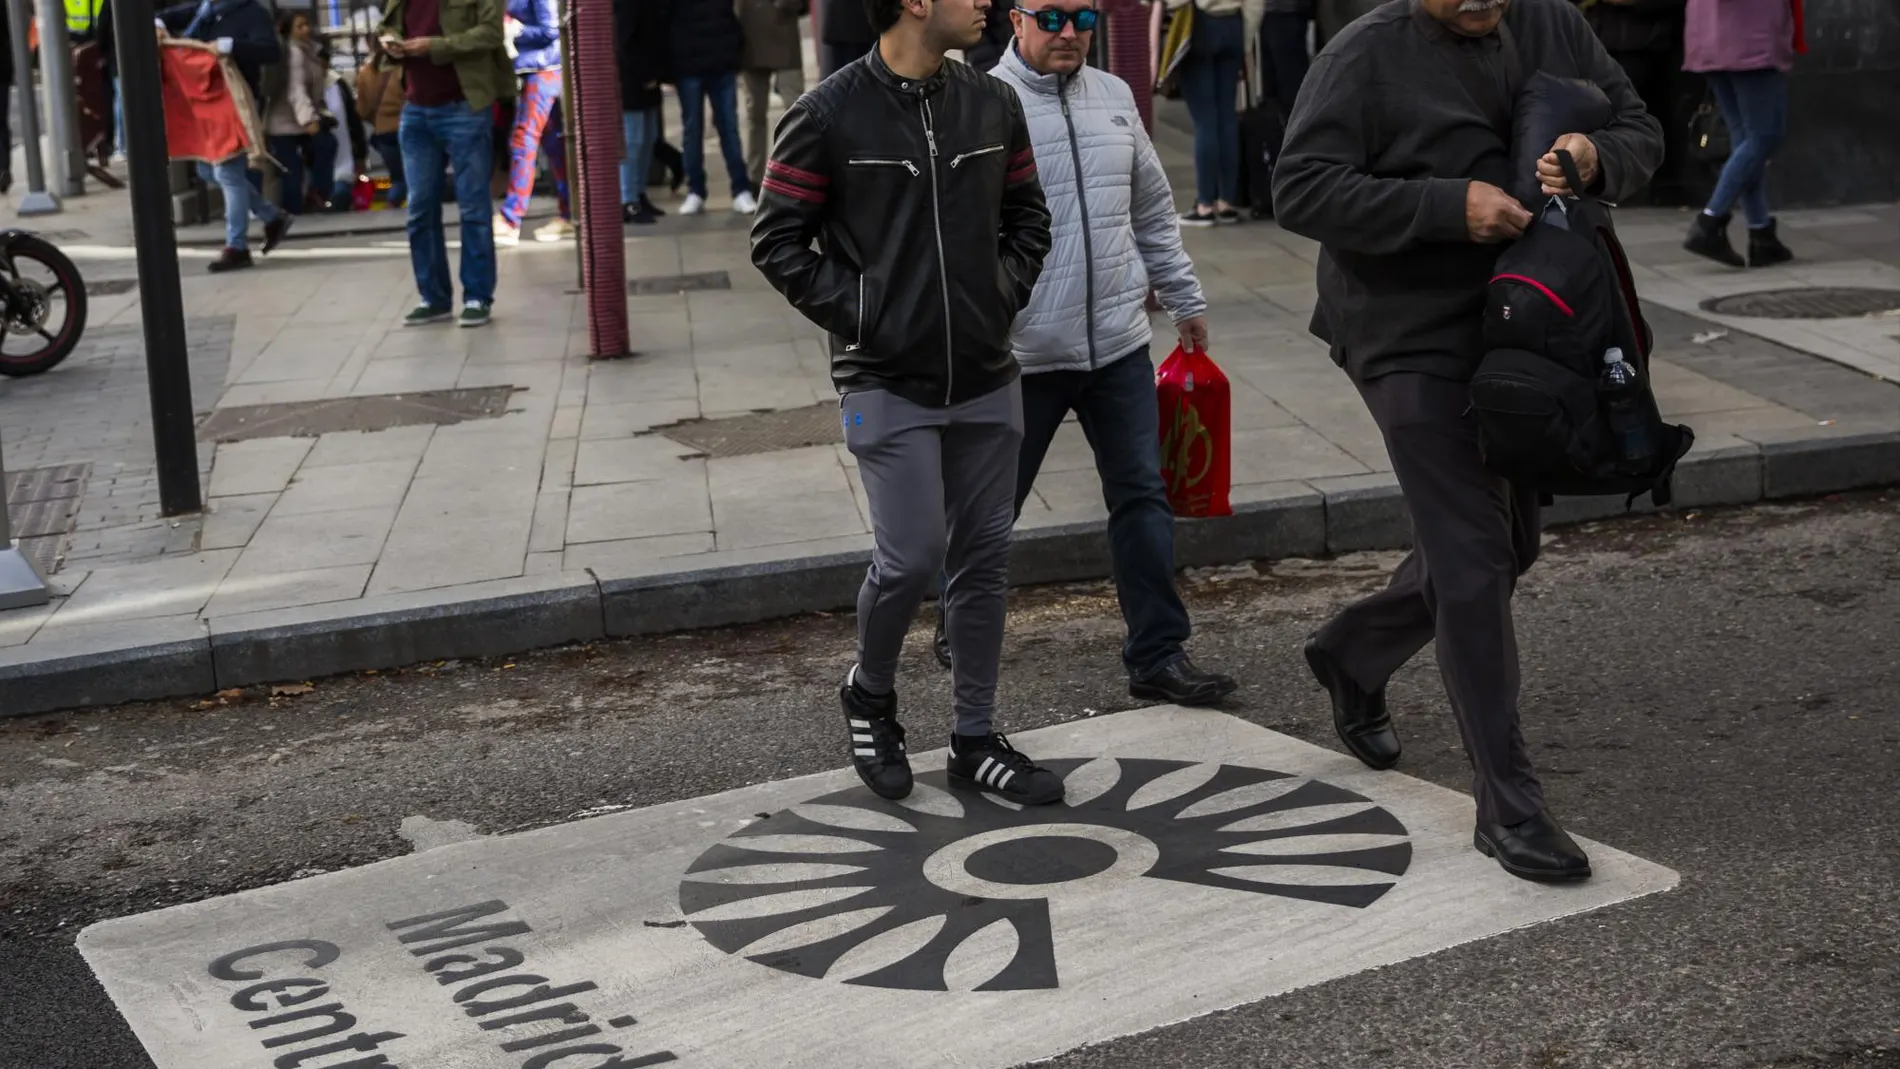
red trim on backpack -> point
(1539, 287)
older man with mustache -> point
(1396, 160)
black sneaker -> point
(989, 763)
(877, 739)
(647, 205)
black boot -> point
(230, 260)
(1708, 236)
(646, 203)
(1765, 248)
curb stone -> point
(169, 657)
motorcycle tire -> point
(23, 246)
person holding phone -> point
(455, 65)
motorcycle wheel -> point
(47, 310)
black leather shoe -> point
(1535, 849)
(1765, 248)
(1180, 683)
(1360, 718)
(940, 644)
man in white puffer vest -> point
(1083, 340)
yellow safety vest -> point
(82, 15)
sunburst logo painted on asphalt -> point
(952, 890)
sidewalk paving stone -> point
(578, 478)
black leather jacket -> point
(932, 226)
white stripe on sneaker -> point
(1003, 780)
(865, 751)
(983, 770)
(856, 723)
(858, 736)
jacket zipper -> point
(859, 343)
(961, 156)
(943, 272)
(886, 162)
(1082, 201)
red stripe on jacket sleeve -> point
(794, 174)
(795, 192)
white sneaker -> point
(694, 205)
(558, 230)
(745, 203)
(506, 235)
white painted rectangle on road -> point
(1200, 862)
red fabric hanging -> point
(1800, 29)
(201, 118)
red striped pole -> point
(595, 187)
(1128, 57)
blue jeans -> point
(241, 199)
(1116, 406)
(389, 147)
(722, 92)
(642, 130)
(288, 150)
(464, 138)
(1210, 76)
(1755, 106)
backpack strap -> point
(1571, 175)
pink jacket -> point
(1738, 35)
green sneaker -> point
(475, 314)
(424, 314)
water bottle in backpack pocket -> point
(1563, 397)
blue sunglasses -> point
(1049, 20)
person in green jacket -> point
(455, 66)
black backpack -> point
(1561, 296)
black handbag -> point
(1708, 134)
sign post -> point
(37, 200)
(167, 361)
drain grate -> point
(760, 432)
(107, 287)
(1821, 302)
(655, 285)
(379, 412)
(43, 505)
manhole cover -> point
(106, 287)
(42, 507)
(1823, 302)
(662, 284)
(761, 432)
(379, 412)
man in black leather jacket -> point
(917, 177)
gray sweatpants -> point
(942, 488)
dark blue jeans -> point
(1755, 106)
(288, 150)
(1210, 76)
(722, 92)
(1116, 406)
(431, 138)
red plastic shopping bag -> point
(1196, 419)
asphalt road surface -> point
(1711, 692)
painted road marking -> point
(1201, 862)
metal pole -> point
(167, 362)
(62, 101)
(21, 585)
(37, 200)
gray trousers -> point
(941, 483)
(758, 99)
(1473, 535)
